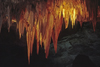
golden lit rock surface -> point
(45, 21)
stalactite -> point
(9, 21)
(0, 22)
(28, 37)
(32, 38)
(37, 36)
(46, 20)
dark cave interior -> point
(77, 47)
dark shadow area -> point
(83, 61)
(13, 51)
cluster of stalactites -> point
(45, 22)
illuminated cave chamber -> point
(44, 19)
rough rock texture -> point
(13, 52)
(85, 41)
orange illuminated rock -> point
(46, 22)
(49, 25)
